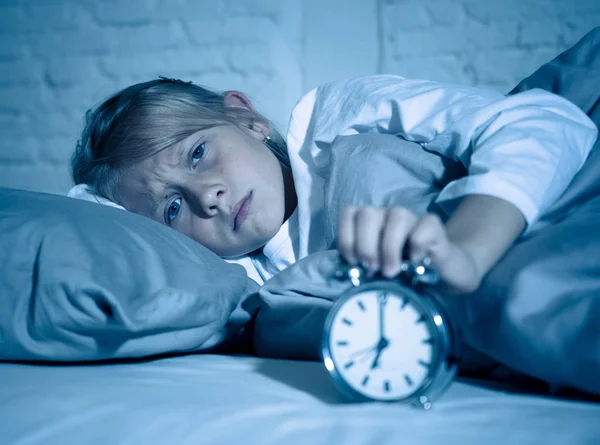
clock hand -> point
(382, 303)
(363, 351)
(375, 363)
(383, 342)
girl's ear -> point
(237, 99)
(257, 127)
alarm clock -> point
(390, 340)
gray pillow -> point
(83, 281)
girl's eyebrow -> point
(176, 157)
(153, 199)
(177, 153)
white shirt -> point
(524, 148)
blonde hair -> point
(148, 117)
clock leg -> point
(423, 403)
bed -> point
(89, 293)
(219, 399)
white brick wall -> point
(60, 57)
(480, 42)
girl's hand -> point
(376, 238)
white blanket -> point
(210, 399)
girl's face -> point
(221, 187)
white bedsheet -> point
(211, 399)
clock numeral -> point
(365, 380)
(404, 303)
(361, 305)
(424, 363)
(428, 341)
(421, 319)
(386, 386)
(342, 343)
(408, 380)
(346, 321)
(349, 365)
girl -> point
(210, 166)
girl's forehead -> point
(144, 184)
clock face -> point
(381, 344)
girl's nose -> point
(209, 199)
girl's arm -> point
(463, 250)
(485, 227)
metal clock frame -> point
(446, 348)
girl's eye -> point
(172, 211)
(198, 154)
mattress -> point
(215, 399)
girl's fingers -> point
(368, 224)
(398, 225)
(376, 238)
(345, 239)
(428, 239)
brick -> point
(201, 32)
(26, 99)
(250, 59)
(205, 58)
(211, 10)
(104, 41)
(91, 41)
(222, 81)
(150, 38)
(543, 32)
(118, 12)
(74, 100)
(53, 124)
(456, 40)
(56, 150)
(445, 12)
(268, 8)
(291, 26)
(506, 68)
(407, 16)
(585, 7)
(18, 150)
(36, 177)
(19, 72)
(532, 60)
(64, 71)
(242, 29)
(12, 46)
(442, 68)
(188, 10)
(12, 123)
(12, 18)
(507, 10)
(44, 16)
(495, 35)
(231, 31)
(574, 30)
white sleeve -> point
(524, 148)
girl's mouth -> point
(241, 210)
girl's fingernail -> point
(372, 267)
(387, 272)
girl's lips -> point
(241, 210)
